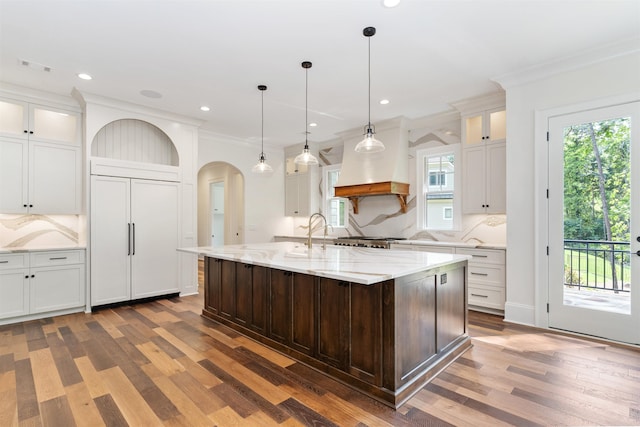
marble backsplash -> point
(39, 231)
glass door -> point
(594, 222)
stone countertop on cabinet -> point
(353, 264)
(454, 244)
(47, 249)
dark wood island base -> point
(386, 339)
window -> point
(438, 200)
(335, 208)
(437, 178)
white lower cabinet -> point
(134, 236)
(486, 279)
(41, 283)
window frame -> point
(422, 187)
(326, 201)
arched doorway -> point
(220, 205)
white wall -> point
(608, 78)
(263, 195)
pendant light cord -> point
(262, 130)
(306, 107)
(369, 72)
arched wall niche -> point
(134, 140)
(234, 205)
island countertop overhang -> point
(353, 264)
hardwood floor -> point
(160, 363)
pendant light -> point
(369, 144)
(306, 158)
(262, 166)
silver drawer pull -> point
(478, 274)
(57, 258)
(4, 262)
(481, 296)
(480, 256)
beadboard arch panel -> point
(134, 140)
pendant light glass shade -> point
(306, 158)
(369, 144)
(262, 166)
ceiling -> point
(425, 55)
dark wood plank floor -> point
(160, 363)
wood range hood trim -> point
(387, 188)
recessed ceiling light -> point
(205, 108)
(384, 101)
(85, 76)
(151, 94)
(313, 125)
(390, 3)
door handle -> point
(128, 239)
(133, 252)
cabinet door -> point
(14, 166)
(54, 178)
(228, 280)
(451, 307)
(473, 196)
(333, 319)
(259, 292)
(110, 240)
(14, 288)
(291, 196)
(242, 302)
(279, 306)
(303, 291)
(56, 288)
(474, 129)
(365, 334)
(14, 118)
(212, 281)
(496, 178)
(154, 223)
(53, 125)
(496, 124)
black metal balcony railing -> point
(597, 264)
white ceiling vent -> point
(34, 65)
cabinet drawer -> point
(10, 261)
(486, 297)
(488, 275)
(434, 248)
(45, 259)
(488, 256)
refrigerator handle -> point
(134, 238)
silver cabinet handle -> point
(481, 296)
(478, 274)
(4, 262)
(480, 256)
(57, 258)
(133, 252)
(128, 239)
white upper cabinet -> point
(40, 159)
(485, 127)
(298, 185)
(37, 122)
(484, 137)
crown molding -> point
(590, 57)
(35, 96)
(85, 98)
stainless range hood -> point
(376, 174)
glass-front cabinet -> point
(485, 127)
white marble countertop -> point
(27, 250)
(451, 244)
(417, 242)
(359, 265)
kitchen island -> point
(383, 322)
